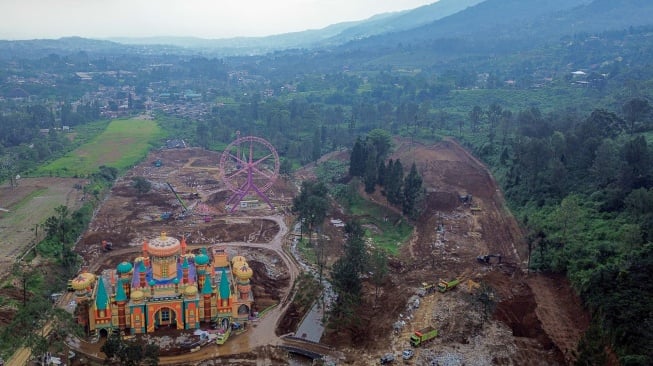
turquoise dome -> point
(202, 259)
(124, 267)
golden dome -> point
(236, 259)
(83, 281)
(164, 246)
(137, 295)
(190, 291)
(242, 271)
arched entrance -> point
(224, 323)
(243, 310)
(103, 333)
(165, 317)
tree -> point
(131, 354)
(371, 169)
(357, 159)
(569, 217)
(285, 167)
(312, 203)
(316, 150)
(112, 346)
(412, 193)
(475, 116)
(494, 114)
(382, 142)
(151, 354)
(394, 182)
(141, 184)
(58, 226)
(607, 163)
(635, 110)
(355, 247)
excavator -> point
(489, 259)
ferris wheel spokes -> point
(249, 173)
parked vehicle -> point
(444, 286)
(387, 358)
(423, 335)
(407, 354)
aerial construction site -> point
(457, 291)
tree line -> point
(367, 161)
(583, 187)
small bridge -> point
(312, 350)
(304, 352)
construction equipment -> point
(157, 163)
(489, 259)
(177, 195)
(423, 335)
(444, 286)
(166, 215)
(426, 289)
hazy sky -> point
(29, 19)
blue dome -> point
(202, 259)
(124, 267)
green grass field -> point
(121, 145)
(388, 230)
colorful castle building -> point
(165, 287)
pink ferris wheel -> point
(249, 165)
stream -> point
(312, 327)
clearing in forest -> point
(121, 145)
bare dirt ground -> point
(27, 205)
(499, 314)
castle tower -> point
(207, 291)
(124, 271)
(164, 252)
(225, 290)
(201, 260)
(243, 273)
(142, 274)
(102, 306)
(184, 271)
(121, 300)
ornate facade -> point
(166, 287)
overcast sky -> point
(29, 19)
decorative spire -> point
(102, 298)
(120, 292)
(207, 290)
(225, 292)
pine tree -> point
(381, 173)
(371, 169)
(394, 181)
(412, 192)
(357, 159)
